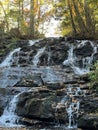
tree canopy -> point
(78, 18)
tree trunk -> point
(19, 15)
(6, 21)
(80, 20)
(22, 12)
(72, 19)
(31, 26)
(90, 23)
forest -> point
(48, 64)
(31, 18)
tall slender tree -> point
(5, 16)
(31, 26)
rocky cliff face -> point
(53, 72)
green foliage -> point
(93, 76)
(79, 18)
(12, 45)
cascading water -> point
(49, 56)
(71, 61)
(6, 70)
(73, 107)
(49, 75)
(86, 61)
(81, 42)
(71, 57)
(71, 102)
(37, 56)
(9, 118)
(8, 60)
(32, 42)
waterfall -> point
(9, 118)
(71, 102)
(82, 42)
(73, 106)
(49, 75)
(8, 60)
(49, 56)
(71, 57)
(37, 56)
(32, 42)
(6, 70)
(86, 61)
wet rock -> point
(54, 55)
(30, 81)
(85, 78)
(60, 112)
(42, 103)
(5, 95)
(70, 39)
(88, 118)
(29, 122)
(61, 92)
(44, 60)
(36, 104)
(95, 57)
(89, 104)
(55, 86)
(88, 122)
(84, 51)
(3, 52)
(59, 54)
(48, 42)
(43, 99)
(72, 81)
(2, 105)
(24, 58)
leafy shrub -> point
(93, 76)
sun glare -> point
(51, 28)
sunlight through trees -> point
(78, 18)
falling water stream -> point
(37, 56)
(86, 61)
(9, 58)
(6, 69)
(32, 42)
(9, 118)
(71, 102)
(73, 107)
(49, 74)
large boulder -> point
(54, 54)
(85, 50)
(37, 103)
(42, 104)
(89, 104)
(88, 118)
(59, 54)
(88, 122)
(5, 97)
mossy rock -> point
(88, 122)
(33, 106)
